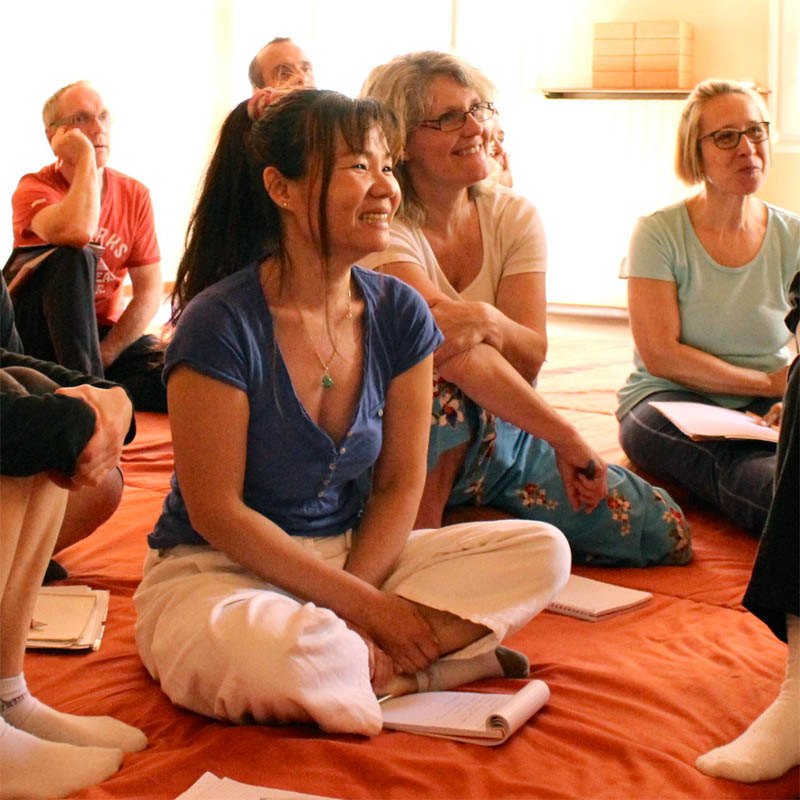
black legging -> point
(774, 588)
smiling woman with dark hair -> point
(284, 582)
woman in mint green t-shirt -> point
(708, 286)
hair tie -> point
(261, 100)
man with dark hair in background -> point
(281, 64)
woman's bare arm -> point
(490, 380)
(398, 476)
(209, 421)
(516, 327)
(656, 327)
(522, 302)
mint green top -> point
(736, 314)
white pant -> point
(229, 645)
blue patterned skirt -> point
(636, 525)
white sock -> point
(35, 768)
(452, 672)
(19, 708)
(771, 745)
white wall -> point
(155, 66)
(170, 71)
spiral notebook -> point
(588, 599)
(476, 717)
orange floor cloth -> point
(635, 698)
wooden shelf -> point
(616, 94)
(626, 94)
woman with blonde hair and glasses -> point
(477, 255)
(708, 289)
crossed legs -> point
(227, 644)
(455, 633)
(734, 476)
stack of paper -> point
(701, 421)
(210, 787)
(68, 618)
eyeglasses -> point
(82, 120)
(454, 120)
(728, 138)
(288, 72)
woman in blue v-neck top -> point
(284, 582)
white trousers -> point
(225, 643)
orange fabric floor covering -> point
(635, 698)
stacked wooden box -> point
(663, 55)
(642, 55)
(613, 54)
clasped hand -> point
(583, 472)
(262, 99)
(102, 452)
(398, 629)
(464, 325)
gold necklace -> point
(326, 381)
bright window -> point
(785, 71)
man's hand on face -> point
(263, 98)
(71, 145)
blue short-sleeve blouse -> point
(295, 474)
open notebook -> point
(586, 598)
(702, 421)
(478, 718)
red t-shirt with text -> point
(126, 229)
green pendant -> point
(327, 381)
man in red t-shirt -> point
(94, 226)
